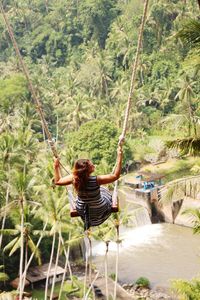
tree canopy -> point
(80, 54)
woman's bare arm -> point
(58, 179)
(104, 179)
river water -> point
(159, 252)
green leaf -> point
(3, 277)
(11, 244)
(34, 250)
(9, 232)
(16, 246)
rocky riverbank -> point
(135, 291)
(139, 293)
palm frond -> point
(34, 250)
(189, 146)
(44, 233)
(74, 240)
(180, 188)
(9, 232)
(195, 214)
(176, 119)
(192, 62)
(16, 246)
(7, 208)
(106, 231)
(11, 244)
(190, 33)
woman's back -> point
(91, 190)
(94, 202)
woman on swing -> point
(94, 202)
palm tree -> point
(94, 76)
(17, 145)
(54, 210)
(66, 252)
(15, 244)
(21, 191)
(190, 35)
(123, 36)
(162, 14)
(75, 238)
(9, 154)
(107, 232)
(185, 95)
(35, 250)
(78, 110)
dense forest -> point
(80, 55)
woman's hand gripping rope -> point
(56, 163)
(120, 144)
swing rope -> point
(30, 85)
(134, 70)
(125, 125)
(131, 90)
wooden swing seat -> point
(74, 213)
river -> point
(159, 252)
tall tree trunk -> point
(192, 122)
(47, 6)
(31, 257)
(56, 267)
(117, 259)
(192, 118)
(66, 264)
(86, 267)
(49, 268)
(91, 287)
(25, 263)
(21, 250)
(106, 270)
(5, 214)
(90, 261)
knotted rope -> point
(33, 92)
(134, 70)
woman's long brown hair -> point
(81, 174)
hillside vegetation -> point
(80, 54)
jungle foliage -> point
(79, 54)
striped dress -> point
(94, 203)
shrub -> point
(143, 282)
(187, 289)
